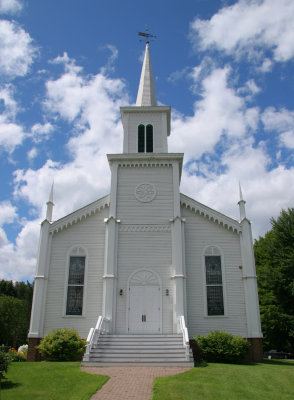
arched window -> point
(141, 139)
(149, 139)
(76, 281)
(214, 281)
(145, 139)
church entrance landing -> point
(144, 310)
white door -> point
(144, 309)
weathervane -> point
(147, 35)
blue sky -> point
(66, 66)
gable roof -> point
(78, 215)
(209, 213)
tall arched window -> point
(149, 139)
(214, 281)
(145, 138)
(141, 139)
(76, 282)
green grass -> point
(270, 380)
(49, 381)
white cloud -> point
(281, 122)
(10, 6)
(287, 139)
(41, 131)
(250, 27)
(7, 213)
(17, 51)
(11, 134)
(18, 262)
(90, 104)
(220, 111)
(31, 154)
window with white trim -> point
(145, 139)
(76, 282)
(214, 281)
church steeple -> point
(146, 92)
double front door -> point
(144, 309)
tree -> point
(15, 309)
(274, 256)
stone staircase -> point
(130, 350)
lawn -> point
(49, 381)
(270, 380)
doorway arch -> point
(144, 303)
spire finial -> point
(146, 92)
(241, 203)
(50, 204)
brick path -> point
(127, 383)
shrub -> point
(62, 345)
(4, 361)
(14, 355)
(220, 346)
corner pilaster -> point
(250, 281)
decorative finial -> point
(240, 192)
(241, 203)
(50, 205)
(147, 35)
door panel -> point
(144, 310)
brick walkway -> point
(127, 383)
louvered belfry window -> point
(214, 285)
(145, 139)
(75, 289)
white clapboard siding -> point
(90, 234)
(200, 232)
(130, 210)
(144, 250)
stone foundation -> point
(33, 353)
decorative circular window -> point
(145, 192)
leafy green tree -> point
(15, 310)
(13, 321)
(274, 256)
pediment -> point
(212, 215)
(80, 214)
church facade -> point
(146, 259)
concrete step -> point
(138, 350)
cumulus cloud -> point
(11, 134)
(18, 261)
(281, 122)
(17, 50)
(221, 111)
(249, 27)
(41, 131)
(10, 6)
(90, 105)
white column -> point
(40, 285)
(110, 255)
(250, 281)
(177, 252)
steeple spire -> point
(146, 92)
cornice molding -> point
(209, 213)
(144, 228)
(80, 214)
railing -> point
(184, 331)
(94, 334)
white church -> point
(144, 269)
